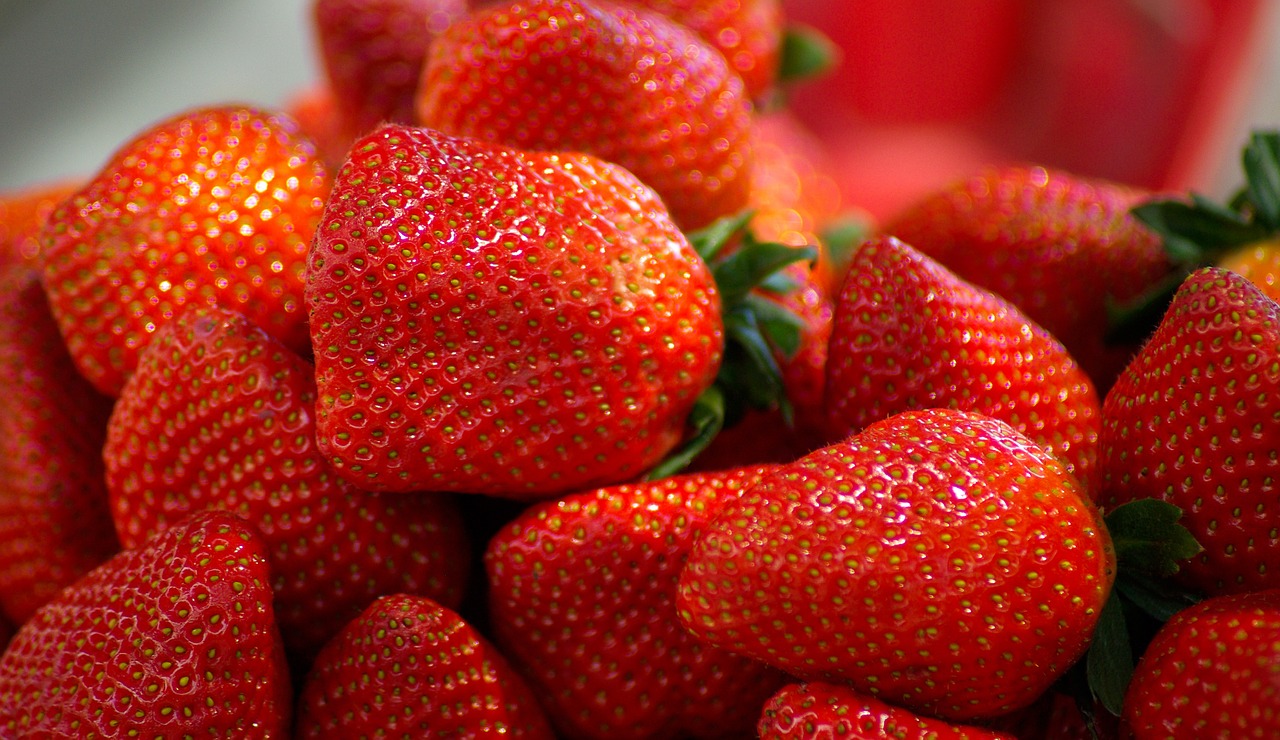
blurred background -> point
(1158, 93)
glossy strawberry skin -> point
(582, 594)
(409, 667)
(1192, 421)
(213, 206)
(176, 637)
(625, 84)
(492, 321)
(939, 560)
(1059, 247)
(373, 52)
(962, 347)
(54, 522)
(1211, 671)
(817, 709)
(219, 415)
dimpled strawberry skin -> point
(939, 560)
(215, 205)
(492, 321)
(177, 637)
(817, 709)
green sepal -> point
(805, 53)
(1197, 231)
(1134, 320)
(705, 422)
(711, 240)
(1110, 661)
(1261, 161)
(1148, 538)
(1159, 599)
(751, 264)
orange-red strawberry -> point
(219, 415)
(1212, 671)
(23, 214)
(212, 206)
(625, 84)
(1064, 249)
(1195, 421)
(582, 599)
(823, 710)
(54, 522)
(176, 638)
(909, 334)
(409, 667)
(938, 560)
(494, 321)
(373, 52)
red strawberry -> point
(824, 710)
(54, 522)
(219, 415)
(1062, 248)
(23, 214)
(582, 595)
(176, 638)
(373, 52)
(627, 85)
(493, 321)
(910, 334)
(938, 560)
(1193, 421)
(409, 667)
(1212, 671)
(216, 205)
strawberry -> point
(1062, 248)
(938, 560)
(817, 709)
(962, 348)
(488, 320)
(175, 638)
(219, 415)
(1211, 671)
(23, 214)
(409, 667)
(216, 205)
(582, 598)
(54, 522)
(1193, 421)
(627, 85)
(373, 52)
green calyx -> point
(757, 330)
(806, 52)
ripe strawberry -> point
(373, 52)
(1211, 671)
(216, 205)
(1062, 248)
(581, 598)
(961, 348)
(54, 522)
(824, 710)
(23, 214)
(627, 85)
(938, 560)
(1193, 421)
(175, 638)
(493, 321)
(409, 667)
(219, 415)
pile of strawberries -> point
(522, 379)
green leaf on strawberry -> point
(806, 53)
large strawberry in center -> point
(494, 321)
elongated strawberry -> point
(821, 710)
(1193, 421)
(492, 321)
(627, 85)
(582, 598)
(1211, 671)
(1064, 249)
(175, 638)
(219, 415)
(373, 52)
(54, 522)
(962, 348)
(409, 667)
(212, 206)
(938, 560)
